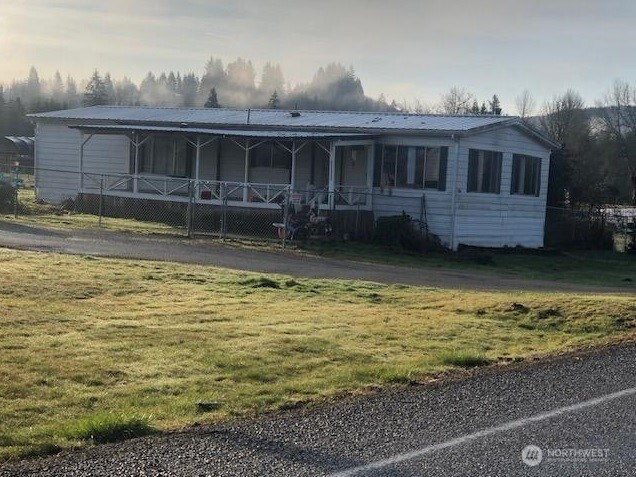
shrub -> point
(399, 231)
(7, 197)
(630, 246)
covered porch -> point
(243, 168)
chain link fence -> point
(181, 206)
(269, 212)
(590, 227)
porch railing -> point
(213, 191)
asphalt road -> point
(205, 252)
(579, 410)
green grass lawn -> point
(605, 268)
(31, 212)
(93, 350)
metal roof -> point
(221, 132)
(21, 145)
(284, 120)
(280, 118)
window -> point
(410, 167)
(166, 156)
(484, 171)
(526, 175)
(270, 155)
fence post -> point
(190, 209)
(356, 228)
(15, 202)
(101, 199)
(223, 210)
(285, 216)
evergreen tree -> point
(33, 90)
(72, 98)
(495, 105)
(274, 102)
(272, 78)
(189, 89)
(126, 93)
(110, 89)
(212, 101)
(147, 89)
(57, 88)
(95, 93)
(213, 77)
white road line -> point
(396, 459)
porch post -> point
(197, 163)
(81, 158)
(136, 170)
(332, 174)
(247, 170)
(370, 172)
(81, 162)
(292, 182)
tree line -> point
(596, 165)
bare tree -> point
(456, 101)
(564, 119)
(420, 107)
(618, 119)
(525, 104)
(574, 174)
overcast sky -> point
(404, 48)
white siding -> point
(438, 208)
(57, 162)
(107, 155)
(499, 220)
(489, 220)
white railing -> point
(213, 191)
(162, 185)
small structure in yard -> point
(480, 179)
(16, 150)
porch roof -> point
(273, 134)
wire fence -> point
(188, 207)
(611, 227)
(272, 212)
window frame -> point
(520, 163)
(175, 158)
(484, 159)
(392, 170)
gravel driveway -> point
(206, 252)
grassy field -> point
(93, 350)
(37, 214)
(596, 267)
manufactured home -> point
(480, 179)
